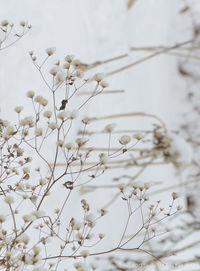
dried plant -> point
(32, 237)
(10, 34)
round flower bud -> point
(2, 218)
(63, 115)
(76, 62)
(27, 218)
(36, 251)
(5, 123)
(137, 136)
(30, 94)
(74, 114)
(109, 128)
(54, 71)
(47, 114)
(79, 74)
(60, 143)
(38, 132)
(53, 125)
(5, 23)
(69, 58)
(60, 77)
(24, 238)
(43, 181)
(22, 23)
(66, 66)
(26, 170)
(103, 158)
(38, 214)
(104, 84)
(101, 235)
(18, 109)
(81, 141)
(50, 51)
(8, 199)
(41, 100)
(44, 102)
(125, 139)
(10, 130)
(84, 253)
(174, 195)
(69, 146)
(98, 77)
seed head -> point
(50, 51)
(125, 139)
(30, 94)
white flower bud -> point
(109, 128)
(54, 71)
(38, 132)
(41, 100)
(125, 139)
(60, 77)
(81, 141)
(38, 99)
(103, 158)
(5, 123)
(76, 225)
(137, 136)
(84, 253)
(79, 236)
(26, 170)
(79, 74)
(30, 94)
(8, 199)
(74, 114)
(53, 125)
(69, 58)
(60, 143)
(43, 181)
(101, 235)
(174, 195)
(24, 238)
(47, 114)
(10, 130)
(18, 109)
(104, 84)
(2, 218)
(27, 218)
(36, 251)
(44, 102)
(63, 115)
(98, 77)
(22, 23)
(38, 214)
(69, 146)
(4, 23)
(76, 62)
(121, 186)
(66, 66)
(89, 218)
(27, 121)
(50, 51)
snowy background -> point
(95, 30)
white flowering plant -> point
(44, 161)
